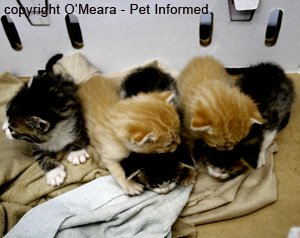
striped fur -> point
(213, 110)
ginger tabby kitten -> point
(146, 123)
(212, 109)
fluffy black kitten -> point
(147, 79)
(274, 94)
(47, 113)
(161, 172)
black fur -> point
(272, 90)
(52, 99)
(274, 94)
(236, 161)
(147, 79)
(158, 168)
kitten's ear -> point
(141, 138)
(168, 96)
(201, 124)
(39, 124)
(140, 135)
(256, 118)
(134, 174)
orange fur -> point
(213, 110)
(146, 123)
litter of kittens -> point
(216, 134)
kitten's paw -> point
(132, 188)
(56, 177)
(78, 157)
(261, 160)
(189, 179)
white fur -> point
(164, 188)
(6, 130)
(216, 173)
(62, 135)
(78, 157)
(269, 137)
(56, 177)
(29, 83)
(255, 121)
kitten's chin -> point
(164, 188)
(8, 135)
(217, 174)
(7, 131)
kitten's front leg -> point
(129, 186)
(55, 172)
(190, 177)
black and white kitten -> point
(161, 172)
(47, 113)
(274, 94)
(147, 79)
(224, 165)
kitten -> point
(212, 109)
(47, 113)
(146, 123)
(147, 79)
(161, 172)
(274, 93)
(224, 165)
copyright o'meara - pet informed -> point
(90, 9)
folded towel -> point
(101, 209)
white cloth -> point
(101, 209)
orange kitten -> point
(147, 123)
(213, 110)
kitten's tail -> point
(52, 61)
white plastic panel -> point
(118, 42)
(242, 5)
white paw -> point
(132, 188)
(78, 157)
(261, 160)
(56, 177)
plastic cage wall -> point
(132, 33)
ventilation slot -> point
(206, 28)
(74, 31)
(273, 27)
(11, 32)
